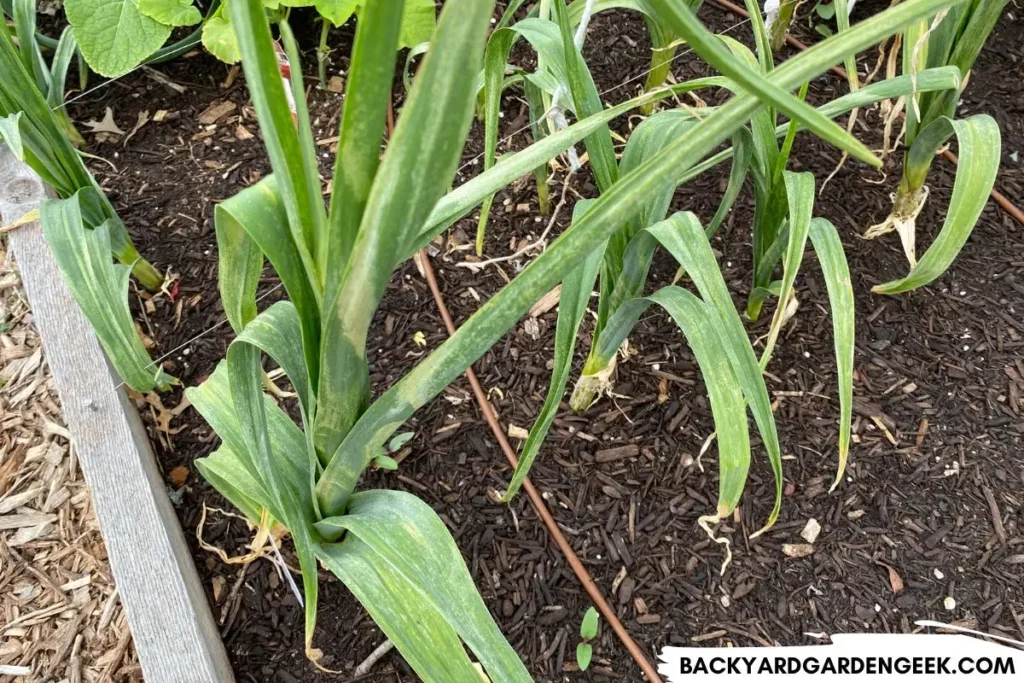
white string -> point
(154, 362)
(631, 79)
(276, 287)
(113, 80)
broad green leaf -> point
(228, 475)
(418, 629)
(417, 22)
(212, 399)
(417, 169)
(336, 11)
(292, 499)
(250, 224)
(171, 12)
(978, 142)
(239, 266)
(829, 250)
(101, 290)
(363, 118)
(219, 37)
(114, 35)
(572, 306)
(621, 203)
(800, 194)
(297, 179)
(414, 544)
(684, 238)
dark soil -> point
(932, 494)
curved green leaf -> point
(572, 306)
(101, 290)
(413, 543)
(421, 633)
(978, 142)
(292, 499)
(495, 58)
(681, 19)
(250, 224)
(684, 238)
(699, 323)
(800, 195)
(829, 249)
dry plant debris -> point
(61, 620)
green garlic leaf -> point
(11, 136)
(114, 36)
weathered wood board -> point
(170, 619)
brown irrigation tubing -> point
(538, 503)
(1000, 199)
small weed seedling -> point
(588, 631)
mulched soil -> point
(931, 499)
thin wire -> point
(113, 80)
(177, 348)
(626, 82)
(278, 286)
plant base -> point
(906, 206)
(591, 386)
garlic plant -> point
(952, 37)
(782, 224)
(388, 547)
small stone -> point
(797, 549)
(811, 530)
(518, 432)
(949, 603)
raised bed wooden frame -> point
(174, 631)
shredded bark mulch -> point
(930, 507)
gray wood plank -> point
(174, 631)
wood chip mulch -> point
(60, 617)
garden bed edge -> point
(175, 634)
